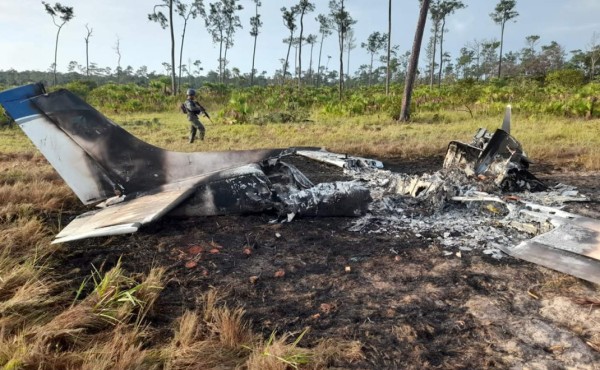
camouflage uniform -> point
(193, 110)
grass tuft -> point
(280, 353)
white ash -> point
(422, 205)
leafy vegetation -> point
(563, 95)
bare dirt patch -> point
(402, 297)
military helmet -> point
(191, 92)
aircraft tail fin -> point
(507, 119)
(99, 159)
(89, 181)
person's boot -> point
(191, 139)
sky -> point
(27, 33)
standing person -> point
(193, 109)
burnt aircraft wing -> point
(565, 242)
(572, 245)
(99, 160)
(128, 216)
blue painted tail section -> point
(17, 102)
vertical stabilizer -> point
(99, 159)
(85, 177)
(507, 118)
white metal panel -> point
(69, 160)
(339, 160)
(104, 231)
(128, 216)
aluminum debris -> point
(501, 210)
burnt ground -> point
(407, 302)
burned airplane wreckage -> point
(133, 184)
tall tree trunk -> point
(388, 74)
(300, 50)
(310, 71)
(296, 61)
(181, 53)
(287, 58)
(441, 52)
(173, 83)
(348, 64)
(253, 58)
(118, 48)
(319, 63)
(254, 47)
(501, 46)
(87, 59)
(56, 53)
(341, 84)
(414, 61)
(432, 72)
(225, 60)
(221, 57)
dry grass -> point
(280, 354)
(12, 349)
(573, 142)
(587, 301)
(214, 336)
(24, 237)
(106, 328)
(217, 336)
(560, 285)
(197, 344)
(554, 140)
(28, 304)
(123, 350)
(39, 195)
(283, 353)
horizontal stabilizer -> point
(506, 121)
(128, 216)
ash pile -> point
(483, 200)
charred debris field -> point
(416, 294)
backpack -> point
(183, 108)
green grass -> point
(13, 140)
(560, 141)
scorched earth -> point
(411, 298)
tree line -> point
(479, 60)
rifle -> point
(207, 116)
(205, 112)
